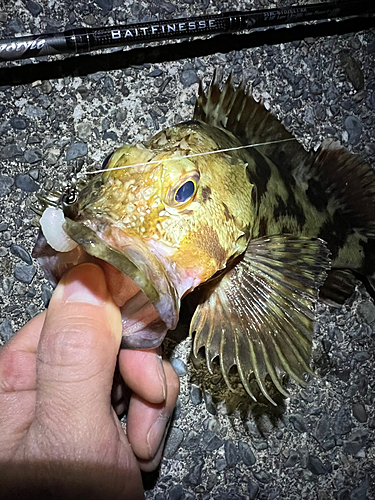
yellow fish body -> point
(263, 228)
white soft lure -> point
(51, 223)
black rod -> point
(80, 40)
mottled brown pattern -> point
(208, 240)
(206, 193)
(228, 216)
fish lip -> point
(137, 262)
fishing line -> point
(191, 156)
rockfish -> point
(263, 230)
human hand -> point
(59, 435)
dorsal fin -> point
(238, 112)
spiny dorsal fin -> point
(238, 112)
(259, 317)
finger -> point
(143, 373)
(147, 423)
(18, 358)
(77, 351)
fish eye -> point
(185, 192)
(106, 161)
(69, 197)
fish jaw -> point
(155, 297)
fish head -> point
(166, 207)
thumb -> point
(77, 352)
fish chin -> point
(137, 281)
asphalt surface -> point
(65, 114)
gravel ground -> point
(67, 114)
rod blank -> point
(80, 40)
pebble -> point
(32, 310)
(195, 395)
(367, 311)
(210, 407)
(3, 226)
(174, 441)
(262, 477)
(188, 77)
(343, 422)
(35, 112)
(298, 422)
(356, 441)
(231, 454)
(214, 443)
(179, 367)
(32, 156)
(315, 465)
(221, 464)
(343, 494)
(292, 459)
(246, 453)
(3, 251)
(7, 284)
(20, 252)
(6, 330)
(76, 150)
(322, 428)
(176, 493)
(353, 126)
(26, 183)
(34, 8)
(360, 492)
(5, 185)
(252, 489)
(23, 273)
(362, 356)
(195, 474)
(18, 123)
(11, 151)
(46, 295)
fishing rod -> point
(78, 40)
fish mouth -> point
(152, 305)
(138, 282)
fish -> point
(231, 204)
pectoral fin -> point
(259, 317)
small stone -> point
(32, 310)
(21, 253)
(315, 465)
(11, 151)
(5, 185)
(34, 174)
(360, 492)
(356, 441)
(252, 489)
(6, 330)
(35, 112)
(343, 494)
(26, 183)
(359, 412)
(18, 123)
(214, 444)
(46, 295)
(195, 395)
(34, 8)
(32, 156)
(105, 5)
(298, 422)
(179, 367)
(246, 454)
(231, 454)
(174, 441)
(176, 493)
(195, 475)
(209, 403)
(23, 273)
(309, 116)
(221, 463)
(292, 459)
(7, 284)
(353, 126)
(262, 477)
(362, 356)
(188, 77)
(343, 422)
(76, 150)
(3, 226)
(156, 72)
(3, 251)
(367, 311)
